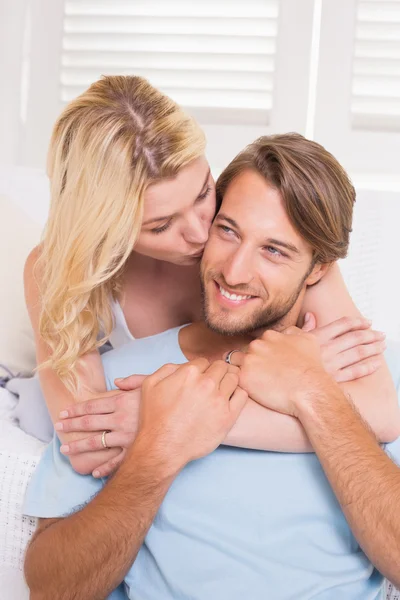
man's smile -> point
(231, 299)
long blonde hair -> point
(107, 147)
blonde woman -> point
(132, 201)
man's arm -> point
(87, 554)
(186, 412)
(364, 479)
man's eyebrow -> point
(157, 219)
(223, 217)
(287, 245)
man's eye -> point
(225, 229)
(273, 251)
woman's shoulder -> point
(32, 276)
(33, 256)
(32, 265)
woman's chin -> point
(190, 260)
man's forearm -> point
(86, 555)
(365, 481)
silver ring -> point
(103, 438)
(228, 357)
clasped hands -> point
(273, 370)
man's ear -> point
(317, 273)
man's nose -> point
(237, 269)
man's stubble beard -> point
(269, 317)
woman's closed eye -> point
(204, 194)
(162, 228)
(167, 225)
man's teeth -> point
(233, 296)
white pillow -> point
(24, 201)
(28, 188)
(18, 235)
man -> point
(235, 523)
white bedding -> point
(7, 404)
(19, 455)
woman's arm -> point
(374, 395)
(55, 393)
(257, 427)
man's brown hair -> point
(317, 192)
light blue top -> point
(237, 524)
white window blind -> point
(240, 67)
(376, 68)
(215, 57)
(357, 113)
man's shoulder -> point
(143, 356)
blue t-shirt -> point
(235, 524)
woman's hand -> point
(350, 349)
(117, 414)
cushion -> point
(30, 411)
(24, 201)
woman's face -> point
(178, 214)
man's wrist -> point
(150, 454)
(320, 391)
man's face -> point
(255, 266)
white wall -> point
(312, 94)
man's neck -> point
(198, 340)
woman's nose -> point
(196, 231)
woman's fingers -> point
(109, 467)
(130, 383)
(94, 443)
(340, 327)
(90, 407)
(357, 340)
(359, 353)
(86, 423)
(358, 370)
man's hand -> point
(186, 411)
(280, 369)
